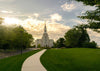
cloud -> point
(94, 36)
(55, 30)
(81, 8)
(36, 15)
(36, 28)
(6, 0)
(79, 21)
(6, 12)
(56, 17)
(68, 7)
(8, 21)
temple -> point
(44, 41)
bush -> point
(92, 44)
(46, 47)
(39, 46)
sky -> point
(60, 16)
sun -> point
(11, 21)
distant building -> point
(44, 41)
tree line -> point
(14, 37)
(78, 36)
(75, 37)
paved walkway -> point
(33, 63)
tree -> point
(54, 45)
(1, 36)
(1, 20)
(22, 38)
(92, 44)
(90, 2)
(6, 39)
(76, 36)
(92, 16)
(72, 37)
(84, 35)
(60, 43)
(14, 38)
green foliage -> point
(92, 16)
(39, 46)
(54, 45)
(75, 37)
(90, 2)
(22, 38)
(72, 37)
(46, 47)
(14, 63)
(59, 43)
(1, 20)
(84, 35)
(14, 38)
(90, 44)
(72, 59)
(34, 46)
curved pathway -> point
(33, 63)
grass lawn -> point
(14, 63)
(71, 59)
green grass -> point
(71, 59)
(14, 63)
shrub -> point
(92, 44)
(39, 46)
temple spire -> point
(45, 28)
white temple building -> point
(44, 41)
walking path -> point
(33, 63)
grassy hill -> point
(71, 59)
